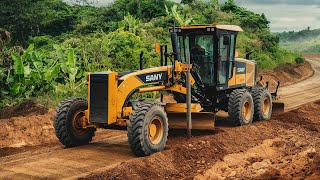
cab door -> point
(223, 60)
(226, 51)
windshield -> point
(200, 48)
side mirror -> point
(226, 40)
(141, 60)
(236, 54)
(248, 54)
(157, 48)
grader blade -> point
(178, 119)
(277, 107)
(200, 121)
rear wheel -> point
(68, 121)
(240, 107)
(262, 104)
(147, 129)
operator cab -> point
(211, 49)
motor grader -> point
(219, 81)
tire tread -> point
(60, 124)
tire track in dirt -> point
(56, 162)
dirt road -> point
(109, 155)
(57, 162)
(302, 92)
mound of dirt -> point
(24, 109)
(286, 74)
(30, 130)
(25, 124)
(286, 147)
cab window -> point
(232, 52)
(224, 44)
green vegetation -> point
(299, 60)
(306, 41)
(52, 45)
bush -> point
(43, 42)
(31, 72)
(299, 60)
(264, 61)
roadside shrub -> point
(299, 60)
(43, 42)
(264, 61)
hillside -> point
(306, 41)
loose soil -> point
(285, 147)
(311, 55)
(286, 74)
(30, 130)
(26, 108)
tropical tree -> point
(131, 24)
(180, 18)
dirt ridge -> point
(287, 74)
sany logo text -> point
(241, 70)
(153, 77)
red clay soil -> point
(25, 124)
(34, 129)
(285, 147)
(286, 74)
(26, 108)
(311, 55)
(7, 151)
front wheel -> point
(147, 129)
(68, 123)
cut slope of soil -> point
(286, 147)
(311, 55)
(286, 74)
(29, 130)
(24, 109)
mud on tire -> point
(240, 107)
(262, 104)
(147, 128)
(67, 123)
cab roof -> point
(217, 26)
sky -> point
(284, 15)
(287, 15)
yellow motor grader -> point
(219, 81)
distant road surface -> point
(302, 92)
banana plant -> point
(72, 73)
(131, 24)
(31, 71)
(182, 19)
